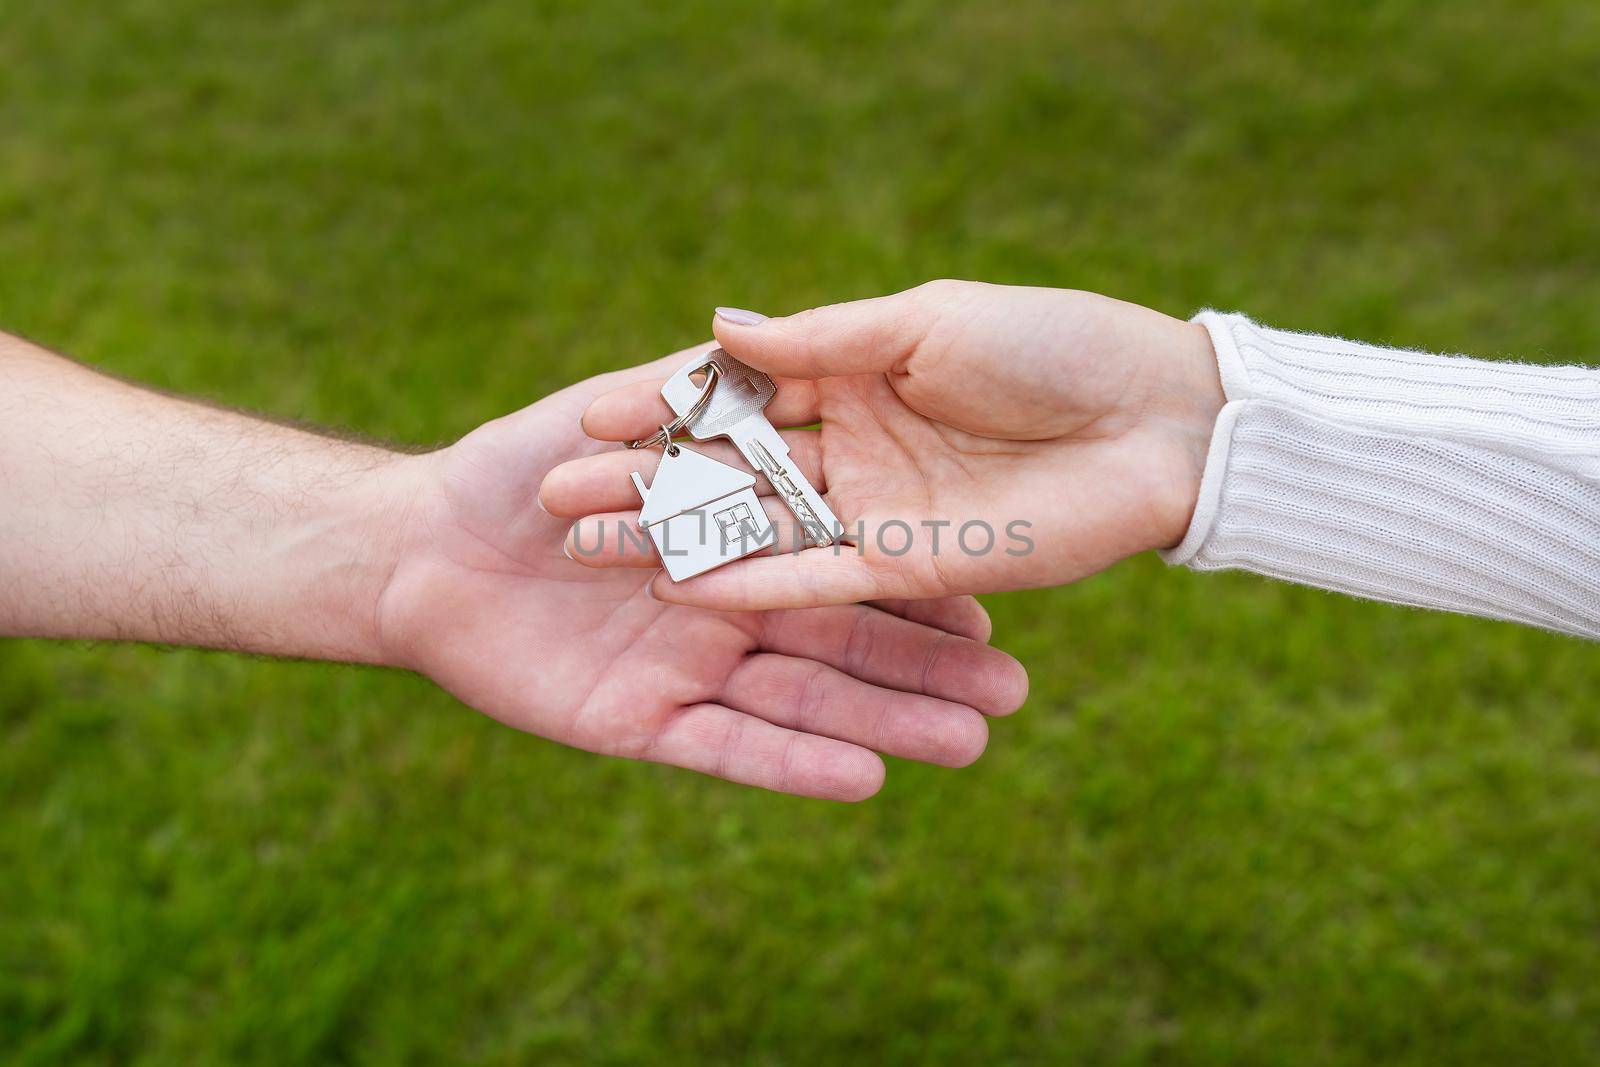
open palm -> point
(972, 437)
(485, 602)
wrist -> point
(383, 517)
(1192, 399)
(321, 597)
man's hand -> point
(484, 601)
(125, 514)
(1071, 426)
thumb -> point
(860, 337)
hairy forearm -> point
(126, 514)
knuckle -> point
(812, 698)
(786, 762)
(727, 751)
(938, 648)
(806, 327)
(892, 577)
(859, 644)
(940, 288)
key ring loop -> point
(669, 430)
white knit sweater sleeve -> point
(1436, 481)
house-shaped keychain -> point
(701, 513)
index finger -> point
(636, 410)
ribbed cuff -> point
(1436, 481)
(1235, 390)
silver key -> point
(735, 410)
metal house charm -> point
(701, 513)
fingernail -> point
(650, 588)
(542, 508)
(741, 317)
(566, 550)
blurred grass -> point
(1238, 822)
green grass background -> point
(1236, 823)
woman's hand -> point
(1068, 428)
(484, 602)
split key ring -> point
(669, 430)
